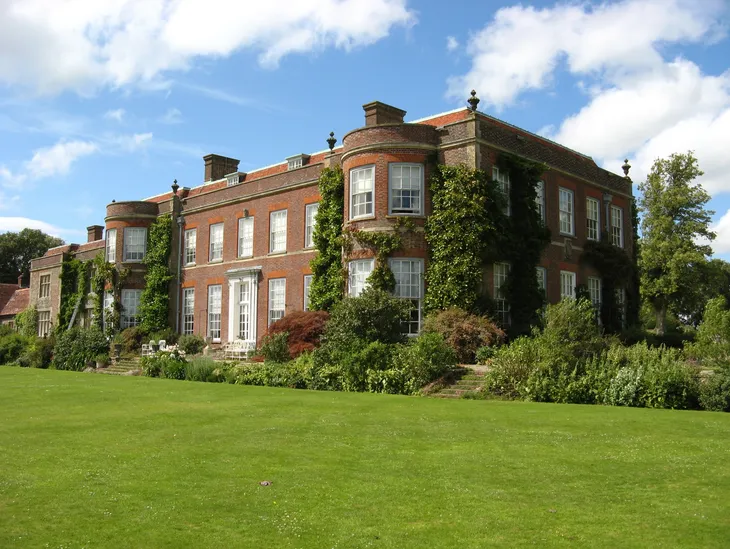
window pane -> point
(566, 211)
(592, 219)
(216, 242)
(191, 237)
(408, 275)
(188, 310)
(361, 191)
(214, 311)
(567, 284)
(135, 242)
(111, 245)
(130, 306)
(406, 184)
(501, 272)
(311, 214)
(359, 272)
(540, 199)
(617, 226)
(277, 240)
(245, 237)
(277, 299)
(307, 285)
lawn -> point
(103, 461)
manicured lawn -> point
(102, 461)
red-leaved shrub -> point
(464, 332)
(305, 330)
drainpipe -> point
(180, 221)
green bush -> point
(715, 391)
(203, 368)
(39, 354)
(77, 347)
(305, 329)
(132, 339)
(191, 344)
(464, 332)
(12, 346)
(173, 368)
(511, 368)
(169, 335)
(275, 347)
(423, 360)
(168, 364)
(484, 354)
(712, 341)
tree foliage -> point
(17, 249)
(674, 219)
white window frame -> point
(368, 202)
(594, 291)
(277, 233)
(593, 218)
(215, 242)
(408, 273)
(130, 308)
(277, 299)
(540, 199)
(567, 284)
(500, 274)
(397, 182)
(44, 289)
(617, 229)
(215, 325)
(310, 219)
(191, 243)
(232, 179)
(305, 292)
(359, 270)
(245, 236)
(188, 323)
(294, 163)
(566, 200)
(502, 179)
(44, 323)
(107, 308)
(245, 316)
(111, 245)
(132, 253)
(541, 274)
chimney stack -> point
(94, 233)
(217, 167)
(20, 281)
(380, 113)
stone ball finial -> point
(175, 187)
(331, 140)
(473, 101)
(626, 167)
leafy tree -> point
(674, 219)
(17, 249)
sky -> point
(114, 99)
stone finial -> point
(331, 140)
(473, 101)
(626, 167)
(175, 187)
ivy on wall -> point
(74, 289)
(633, 304)
(27, 322)
(328, 280)
(106, 278)
(154, 303)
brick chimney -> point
(94, 233)
(20, 281)
(217, 167)
(380, 113)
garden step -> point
(468, 379)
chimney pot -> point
(94, 232)
(217, 166)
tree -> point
(674, 221)
(17, 249)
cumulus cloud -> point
(16, 224)
(57, 160)
(721, 244)
(116, 114)
(51, 46)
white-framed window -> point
(307, 286)
(567, 284)
(191, 241)
(215, 295)
(45, 287)
(541, 274)
(277, 232)
(277, 299)
(617, 226)
(359, 270)
(44, 323)
(594, 291)
(130, 308)
(188, 310)
(540, 199)
(361, 191)
(593, 219)
(501, 272)
(244, 310)
(111, 246)
(232, 179)
(310, 219)
(135, 243)
(502, 179)
(295, 163)
(108, 309)
(245, 237)
(408, 275)
(216, 242)
(566, 212)
(405, 189)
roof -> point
(17, 303)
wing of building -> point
(242, 242)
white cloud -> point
(451, 43)
(172, 116)
(131, 143)
(8, 202)
(51, 46)
(16, 224)
(57, 160)
(610, 40)
(721, 244)
(116, 114)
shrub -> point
(712, 342)
(191, 344)
(131, 339)
(170, 365)
(27, 322)
(484, 354)
(292, 374)
(12, 347)
(361, 357)
(203, 368)
(424, 360)
(305, 329)
(464, 332)
(511, 368)
(77, 347)
(715, 392)
(570, 331)
(39, 353)
(169, 335)
(274, 347)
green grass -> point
(103, 461)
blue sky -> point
(115, 99)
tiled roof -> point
(17, 303)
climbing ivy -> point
(106, 278)
(522, 242)
(154, 303)
(633, 297)
(27, 322)
(461, 232)
(328, 280)
(74, 289)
